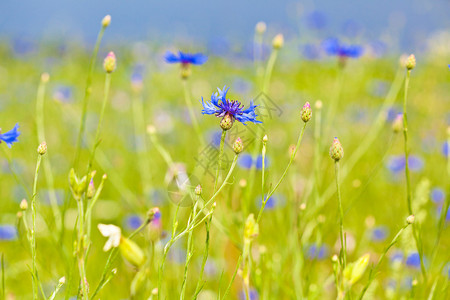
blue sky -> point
(409, 21)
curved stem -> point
(284, 173)
(341, 219)
(219, 163)
(33, 228)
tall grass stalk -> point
(33, 228)
(343, 255)
(416, 235)
(187, 98)
(41, 137)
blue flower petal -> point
(10, 137)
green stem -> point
(200, 282)
(269, 69)
(47, 167)
(187, 97)
(87, 94)
(81, 250)
(219, 162)
(227, 291)
(407, 175)
(341, 219)
(284, 174)
(33, 228)
(100, 121)
(374, 270)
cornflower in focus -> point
(10, 137)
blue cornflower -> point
(221, 107)
(445, 149)
(316, 20)
(413, 260)
(185, 58)
(259, 162)
(315, 251)
(437, 195)
(245, 161)
(397, 256)
(8, 232)
(379, 233)
(133, 222)
(332, 46)
(10, 136)
(397, 163)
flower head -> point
(10, 137)
(185, 58)
(332, 46)
(113, 233)
(223, 107)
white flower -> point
(113, 233)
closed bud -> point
(260, 27)
(198, 190)
(265, 139)
(306, 112)
(397, 125)
(278, 41)
(109, 64)
(131, 252)
(238, 146)
(226, 122)
(153, 213)
(23, 204)
(411, 62)
(336, 150)
(42, 149)
(91, 189)
(45, 77)
(410, 219)
(251, 228)
(106, 21)
(62, 280)
(185, 71)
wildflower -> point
(274, 201)
(10, 137)
(245, 161)
(259, 162)
(306, 112)
(336, 150)
(229, 110)
(260, 27)
(42, 149)
(315, 251)
(413, 260)
(397, 125)
(91, 189)
(133, 222)
(437, 195)
(278, 41)
(23, 204)
(316, 20)
(410, 219)
(396, 164)
(445, 149)
(109, 64)
(8, 232)
(198, 190)
(238, 146)
(332, 46)
(379, 233)
(410, 62)
(396, 257)
(185, 58)
(106, 21)
(113, 233)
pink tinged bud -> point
(42, 149)
(91, 189)
(397, 125)
(336, 150)
(109, 64)
(238, 146)
(198, 190)
(306, 112)
(226, 122)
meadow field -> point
(280, 170)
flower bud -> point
(306, 112)
(410, 219)
(198, 190)
(45, 77)
(354, 271)
(336, 150)
(265, 139)
(278, 41)
(42, 149)
(411, 62)
(77, 186)
(91, 189)
(185, 71)
(131, 252)
(109, 64)
(106, 21)
(397, 125)
(23, 204)
(238, 146)
(251, 228)
(260, 27)
(62, 280)
(226, 122)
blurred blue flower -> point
(259, 162)
(445, 149)
(447, 217)
(10, 137)
(63, 93)
(132, 222)
(316, 20)
(219, 46)
(185, 58)
(311, 51)
(332, 46)
(232, 108)
(245, 161)
(397, 256)
(396, 163)
(413, 260)
(437, 195)
(276, 200)
(253, 295)
(392, 114)
(22, 46)
(379, 233)
(314, 251)
(8, 232)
